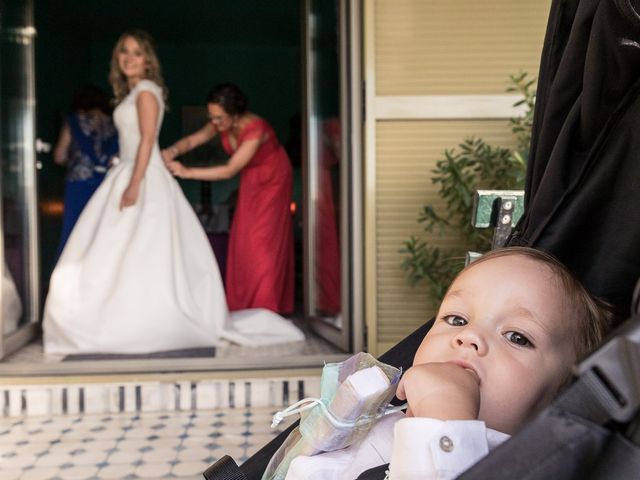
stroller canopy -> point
(582, 195)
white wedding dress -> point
(144, 279)
(11, 304)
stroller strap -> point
(224, 469)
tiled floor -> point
(178, 445)
(145, 443)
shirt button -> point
(446, 444)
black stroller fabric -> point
(582, 194)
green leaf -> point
(472, 165)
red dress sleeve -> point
(253, 130)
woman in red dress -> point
(260, 268)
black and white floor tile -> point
(128, 446)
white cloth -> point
(256, 327)
(11, 304)
(412, 446)
(142, 279)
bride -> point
(138, 274)
(11, 303)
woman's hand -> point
(169, 154)
(177, 168)
(130, 195)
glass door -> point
(332, 89)
(19, 300)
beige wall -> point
(436, 72)
(431, 47)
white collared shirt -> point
(416, 448)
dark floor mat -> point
(203, 352)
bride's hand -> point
(130, 196)
(177, 168)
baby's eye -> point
(455, 320)
(519, 339)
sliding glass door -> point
(19, 300)
(332, 177)
(332, 121)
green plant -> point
(474, 165)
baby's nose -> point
(472, 344)
(471, 339)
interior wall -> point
(424, 53)
(200, 43)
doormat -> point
(201, 352)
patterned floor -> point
(141, 444)
(178, 445)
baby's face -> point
(505, 320)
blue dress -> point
(94, 141)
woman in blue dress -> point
(87, 143)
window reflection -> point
(17, 157)
(325, 159)
(327, 220)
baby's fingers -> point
(400, 392)
(402, 395)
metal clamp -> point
(500, 209)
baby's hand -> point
(440, 390)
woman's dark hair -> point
(229, 97)
(88, 97)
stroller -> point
(592, 431)
(581, 198)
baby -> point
(505, 338)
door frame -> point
(351, 337)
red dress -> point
(260, 262)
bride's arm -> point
(147, 107)
(182, 146)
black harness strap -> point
(224, 469)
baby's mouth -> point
(469, 369)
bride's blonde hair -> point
(152, 72)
